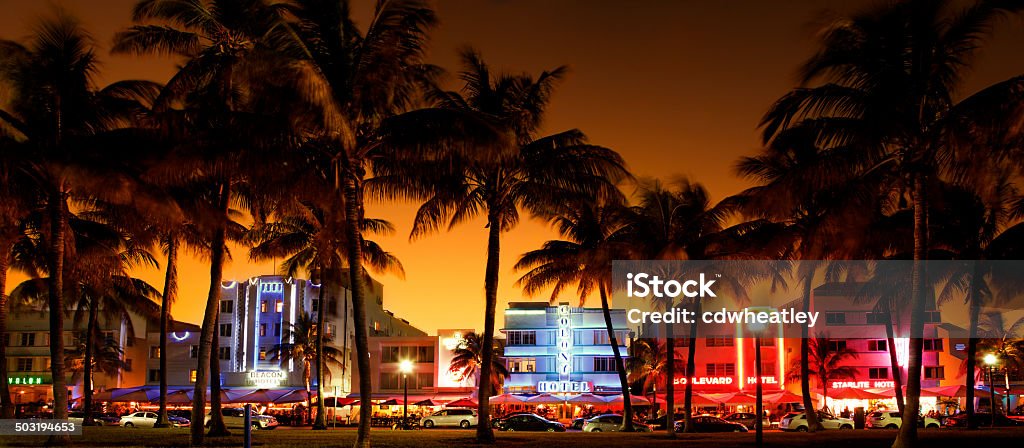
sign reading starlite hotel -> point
(564, 342)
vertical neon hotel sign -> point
(564, 343)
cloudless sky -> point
(677, 87)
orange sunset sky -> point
(677, 87)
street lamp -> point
(406, 368)
(757, 329)
(990, 364)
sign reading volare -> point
(565, 387)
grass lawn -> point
(301, 438)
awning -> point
(636, 400)
(856, 394)
(506, 399)
(462, 403)
(783, 397)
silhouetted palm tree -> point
(303, 339)
(467, 358)
(885, 103)
(595, 235)
(54, 113)
(539, 173)
(648, 364)
(828, 363)
(312, 235)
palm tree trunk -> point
(217, 426)
(58, 222)
(670, 374)
(897, 372)
(805, 368)
(6, 404)
(907, 437)
(90, 339)
(484, 432)
(321, 421)
(207, 331)
(972, 343)
(627, 406)
(691, 365)
(353, 220)
(170, 286)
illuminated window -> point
(279, 306)
(604, 364)
(719, 341)
(154, 352)
(192, 375)
(376, 326)
(518, 365)
(522, 337)
(263, 329)
(935, 373)
(263, 306)
(263, 354)
(721, 369)
(932, 317)
(878, 345)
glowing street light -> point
(406, 368)
(991, 360)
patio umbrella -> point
(295, 396)
(462, 403)
(696, 398)
(783, 397)
(505, 399)
(428, 402)
(952, 391)
(260, 396)
(719, 397)
(857, 394)
(545, 399)
(337, 402)
(134, 394)
(178, 397)
(392, 402)
(587, 398)
(634, 399)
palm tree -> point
(106, 357)
(827, 363)
(54, 112)
(540, 172)
(885, 103)
(13, 209)
(311, 235)
(467, 358)
(302, 348)
(595, 235)
(224, 44)
(648, 364)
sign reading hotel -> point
(576, 387)
(862, 384)
(564, 343)
(263, 379)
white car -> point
(893, 420)
(143, 419)
(235, 418)
(463, 418)
(798, 422)
(610, 423)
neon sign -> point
(179, 338)
(265, 379)
(706, 380)
(578, 387)
(564, 342)
(764, 380)
(862, 384)
(24, 380)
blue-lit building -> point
(561, 348)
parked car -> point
(528, 422)
(145, 419)
(748, 419)
(660, 422)
(710, 423)
(463, 418)
(797, 421)
(183, 413)
(981, 419)
(235, 418)
(893, 420)
(98, 419)
(610, 423)
(577, 423)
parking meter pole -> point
(248, 426)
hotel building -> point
(561, 348)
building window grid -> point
(878, 345)
(878, 373)
(521, 337)
(935, 373)
(721, 369)
(719, 341)
(933, 345)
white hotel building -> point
(561, 348)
